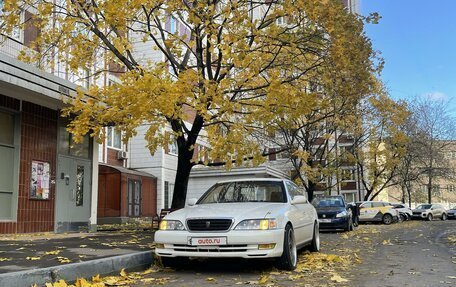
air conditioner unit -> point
(122, 154)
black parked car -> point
(334, 213)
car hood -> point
(321, 210)
(238, 211)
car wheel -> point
(387, 219)
(289, 259)
(402, 217)
(429, 217)
(174, 262)
(315, 244)
(444, 216)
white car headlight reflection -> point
(342, 214)
(171, 225)
(257, 224)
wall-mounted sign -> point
(41, 175)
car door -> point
(437, 210)
(301, 215)
(366, 212)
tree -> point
(380, 144)
(435, 128)
(240, 66)
(408, 171)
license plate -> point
(207, 241)
(324, 220)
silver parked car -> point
(429, 212)
(249, 218)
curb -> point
(71, 272)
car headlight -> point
(171, 225)
(342, 214)
(257, 224)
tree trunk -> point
(311, 190)
(184, 167)
(430, 190)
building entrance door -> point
(134, 198)
(73, 194)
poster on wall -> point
(39, 186)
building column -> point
(94, 197)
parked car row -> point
(266, 218)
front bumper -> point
(421, 215)
(451, 215)
(334, 223)
(239, 243)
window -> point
(80, 185)
(172, 147)
(348, 174)
(67, 146)
(377, 204)
(114, 138)
(9, 154)
(173, 24)
(293, 189)
(168, 194)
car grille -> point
(209, 224)
(217, 249)
(327, 215)
(417, 212)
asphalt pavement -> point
(46, 257)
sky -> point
(417, 39)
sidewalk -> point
(63, 255)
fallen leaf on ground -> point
(33, 258)
(63, 259)
(338, 279)
(263, 279)
(4, 259)
(54, 252)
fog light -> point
(266, 246)
(159, 246)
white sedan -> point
(252, 218)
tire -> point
(429, 217)
(402, 217)
(444, 216)
(315, 244)
(289, 259)
(387, 219)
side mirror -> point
(299, 199)
(192, 201)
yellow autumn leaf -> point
(96, 278)
(54, 252)
(2, 259)
(210, 279)
(263, 279)
(338, 279)
(32, 258)
(123, 273)
(63, 259)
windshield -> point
(424, 206)
(246, 191)
(327, 202)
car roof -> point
(254, 179)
